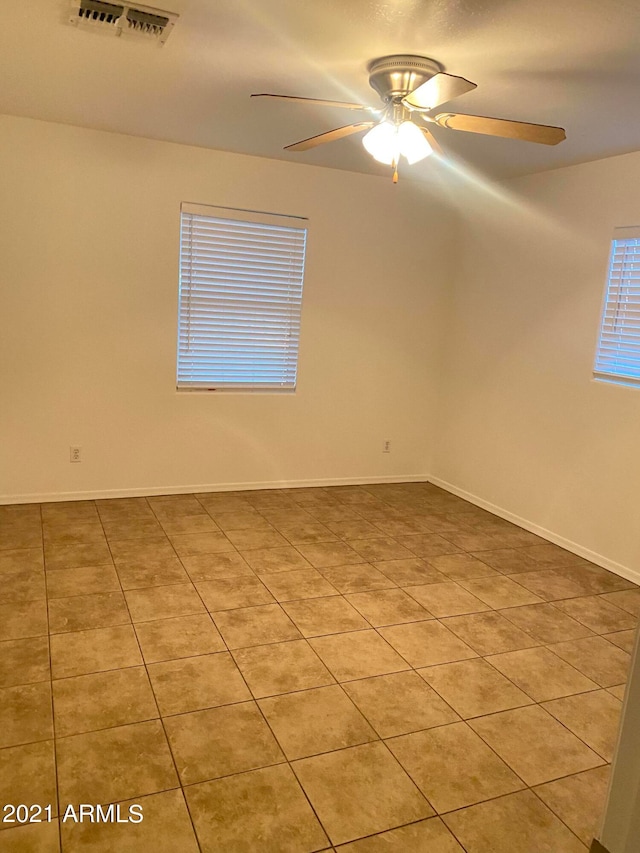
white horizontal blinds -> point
(618, 354)
(241, 277)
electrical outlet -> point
(75, 453)
(386, 446)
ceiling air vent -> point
(122, 19)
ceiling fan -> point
(412, 87)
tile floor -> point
(358, 668)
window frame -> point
(251, 217)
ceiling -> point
(573, 63)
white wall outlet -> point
(75, 453)
(386, 446)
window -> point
(618, 353)
(241, 276)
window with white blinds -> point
(241, 277)
(618, 353)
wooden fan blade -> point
(437, 90)
(433, 142)
(543, 133)
(315, 101)
(329, 136)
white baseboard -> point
(629, 574)
(149, 491)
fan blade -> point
(316, 101)
(329, 136)
(543, 133)
(433, 142)
(437, 90)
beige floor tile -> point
(249, 519)
(191, 544)
(473, 688)
(28, 775)
(209, 567)
(81, 612)
(69, 511)
(618, 691)
(165, 828)
(138, 576)
(534, 744)
(489, 633)
(429, 545)
(356, 528)
(21, 558)
(317, 616)
(21, 585)
(357, 654)
(517, 822)
(470, 539)
(598, 614)
(180, 637)
(24, 619)
(115, 764)
(359, 791)
(190, 524)
(453, 767)
(426, 836)
(553, 556)
(221, 741)
(228, 593)
(327, 554)
(266, 560)
(331, 721)
(163, 602)
(125, 527)
(546, 623)
(303, 583)
(388, 607)
(24, 661)
(255, 626)
(399, 703)
(594, 580)
(461, 566)
(17, 536)
(34, 838)
(102, 700)
(76, 556)
(83, 581)
(260, 810)
(427, 643)
(357, 578)
(306, 532)
(446, 599)
(282, 668)
(541, 674)
(550, 585)
(500, 592)
(593, 717)
(627, 599)
(218, 503)
(191, 684)
(622, 639)
(597, 658)
(578, 800)
(508, 560)
(72, 532)
(150, 551)
(25, 714)
(383, 548)
(246, 540)
(409, 572)
(95, 650)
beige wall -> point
(523, 425)
(88, 302)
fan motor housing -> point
(394, 77)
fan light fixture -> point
(387, 141)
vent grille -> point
(122, 19)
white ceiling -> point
(573, 63)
